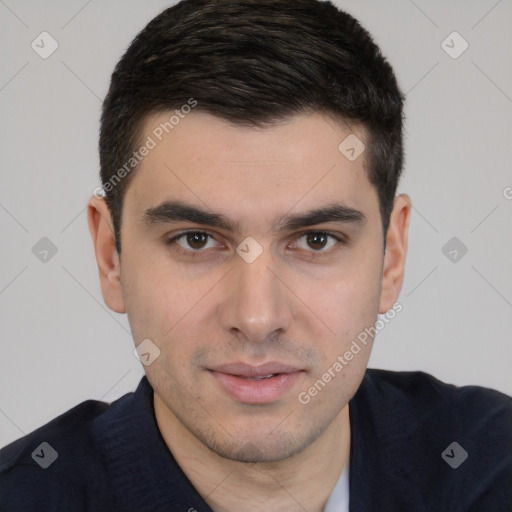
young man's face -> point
(306, 280)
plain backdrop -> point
(60, 345)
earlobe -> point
(396, 250)
(107, 258)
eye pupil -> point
(197, 240)
(317, 241)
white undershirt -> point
(339, 499)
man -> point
(250, 154)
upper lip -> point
(247, 370)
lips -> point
(256, 384)
(259, 377)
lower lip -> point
(262, 391)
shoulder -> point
(433, 442)
(420, 405)
(421, 393)
(52, 464)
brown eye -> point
(194, 241)
(197, 240)
(317, 241)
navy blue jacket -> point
(417, 445)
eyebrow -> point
(175, 211)
(330, 213)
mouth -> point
(259, 377)
(256, 385)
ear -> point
(102, 233)
(396, 250)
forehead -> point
(237, 170)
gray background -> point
(60, 345)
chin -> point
(266, 448)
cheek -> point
(165, 309)
(347, 305)
(163, 303)
(347, 300)
(153, 299)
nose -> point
(256, 304)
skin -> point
(298, 303)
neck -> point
(301, 482)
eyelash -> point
(189, 253)
(193, 254)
